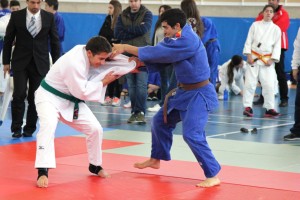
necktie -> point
(32, 27)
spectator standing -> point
(281, 19)
(14, 5)
(133, 27)
(295, 130)
(114, 89)
(167, 74)
(52, 7)
(30, 61)
(207, 31)
(5, 10)
(262, 48)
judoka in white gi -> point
(190, 103)
(232, 74)
(262, 49)
(79, 75)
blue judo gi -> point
(60, 25)
(188, 56)
(212, 45)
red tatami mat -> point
(134, 186)
(175, 180)
(64, 146)
(183, 169)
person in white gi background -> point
(14, 6)
(79, 75)
(262, 48)
(232, 76)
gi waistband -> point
(261, 57)
(183, 86)
(210, 41)
(64, 96)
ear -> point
(177, 26)
(89, 53)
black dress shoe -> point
(25, 134)
(16, 135)
(283, 104)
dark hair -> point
(235, 60)
(4, 3)
(191, 11)
(14, 3)
(117, 11)
(98, 44)
(53, 3)
(158, 23)
(267, 6)
(174, 16)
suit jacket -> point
(27, 47)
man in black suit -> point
(29, 29)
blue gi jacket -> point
(188, 56)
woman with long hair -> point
(207, 31)
(232, 76)
(107, 30)
(191, 11)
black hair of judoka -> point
(98, 44)
(174, 16)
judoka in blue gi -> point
(212, 45)
(189, 103)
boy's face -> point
(98, 59)
(14, 8)
(168, 30)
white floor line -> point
(264, 127)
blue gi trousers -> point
(194, 120)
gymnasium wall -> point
(232, 32)
(83, 19)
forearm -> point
(131, 49)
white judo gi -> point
(3, 24)
(237, 84)
(73, 75)
(264, 38)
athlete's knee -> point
(95, 128)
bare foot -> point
(152, 163)
(209, 182)
(103, 174)
(42, 182)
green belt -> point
(64, 96)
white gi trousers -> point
(86, 123)
(266, 76)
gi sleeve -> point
(296, 53)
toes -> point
(103, 174)
(42, 182)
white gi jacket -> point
(3, 24)
(238, 78)
(72, 74)
(296, 53)
(268, 35)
